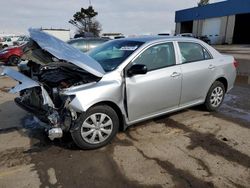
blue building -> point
(224, 22)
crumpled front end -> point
(35, 99)
(51, 66)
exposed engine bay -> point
(51, 76)
(54, 77)
(40, 95)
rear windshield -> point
(111, 54)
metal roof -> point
(224, 8)
(149, 39)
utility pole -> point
(89, 17)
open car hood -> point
(66, 52)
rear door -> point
(159, 89)
(197, 72)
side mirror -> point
(137, 69)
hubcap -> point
(96, 128)
(216, 97)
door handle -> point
(211, 66)
(175, 74)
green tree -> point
(203, 2)
(84, 20)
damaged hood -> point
(66, 52)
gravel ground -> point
(191, 148)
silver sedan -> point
(120, 83)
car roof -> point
(149, 39)
(88, 38)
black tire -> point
(100, 109)
(208, 104)
(14, 60)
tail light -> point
(236, 64)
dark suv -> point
(86, 44)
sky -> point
(126, 16)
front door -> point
(159, 89)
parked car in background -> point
(119, 83)
(86, 44)
(113, 35)
(11, 55)
(21, 40)
(164, 34)
(8, 41)
(186, 35)
(205, 39)
(119, 37)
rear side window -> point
(158, 56)
(192, 52)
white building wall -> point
(212, 29)
(64, 35)
(230, 29)
(219, 30)
(178, 28)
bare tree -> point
(84, 20)
(203, 2)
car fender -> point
(90, 94)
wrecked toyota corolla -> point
(120, 83)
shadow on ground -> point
(73, 167)
(209, 142)
(97, 168)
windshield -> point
(111, 54)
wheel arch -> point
(14, 54)
(224, 81)
(221, 79)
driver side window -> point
(157, 57)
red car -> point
(11, 55)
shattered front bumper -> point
(25, 83)
(46, 112)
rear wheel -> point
(215, 96)
(13, 60)
(96, 128)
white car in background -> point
(8, 41)
(21, 40)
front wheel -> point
(96, 128)
(215, 96)
(14, 60)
